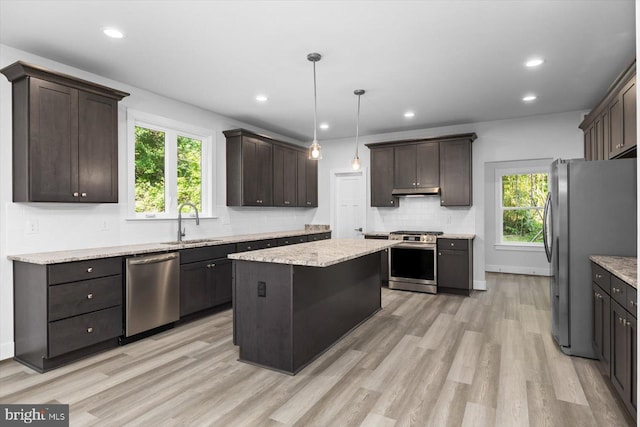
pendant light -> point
(314, 149)
(355, 164)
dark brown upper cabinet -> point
(382, 171)
(610, 128)
(262, 171)
(417, 167)
(65, 137)
(440, 165)
(285, 167)
(456, 187)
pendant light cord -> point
(315, 106)
(358, 125)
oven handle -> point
(420, 246)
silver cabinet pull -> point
(286, 202)
(84, 195)
(211, 265)
(615, 290)
(76, 194)
(268, 245)
(89, 270)
(89, 330)
(248, 247)
(413, 183)
(417, 183)
(627, 322)
(598, 276)
(308, 203)
(439, 253)
(391, 202)
(90, 296)
(633, 303)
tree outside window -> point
(523, 197)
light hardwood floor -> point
(424, 360)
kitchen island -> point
(292, 303)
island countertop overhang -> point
(323, 253)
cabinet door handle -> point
(286, 202)
(621, 320)
(632, 303)
(417, 183)
(76, 194)
(439, 253)
(89, 270)
(308, 203)
(615, 290)
(627, 322)
(269, 244)
(211, 265)
(598, 276)
(391, 202)
(248, 247)
(89, 330)
(90, 296)
(84, 195)
(413, 183)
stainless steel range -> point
(412, 263)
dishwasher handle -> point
(152, 259)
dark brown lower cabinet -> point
(204, 284)
(601, 336)
(455, 266)
(614, 333)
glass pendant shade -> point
(314, 150)
(355, 163)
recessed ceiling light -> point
(409, 114)
(261, 98)
(534, 62)
(324, 126)
(529, 98)
(113, 33)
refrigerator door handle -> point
(545, 218)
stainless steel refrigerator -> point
(590, 210)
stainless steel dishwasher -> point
(152, 292)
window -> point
(168, 165)
(522, 195)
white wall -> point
(536, 137)
(69, 226)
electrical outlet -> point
(31, 226)
(262, 289)
(104, 225)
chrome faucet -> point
(181, 231)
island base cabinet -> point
(287, 315)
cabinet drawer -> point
(257, 244)
(619, 291)
(632, 300)
(206, 253)
(321, 236)
(601, 276)
(83, 270)
(85, 330)
(72, 299)
(284, 241)
(453, 244)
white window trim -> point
(171, 128)
(499, 173)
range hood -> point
(416, 191)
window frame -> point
(172, 129)
(499, 174)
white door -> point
(349, 213)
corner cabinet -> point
(65, 137)
(610, 128)
(265, 172)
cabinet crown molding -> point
(19, 70)
(466, 136)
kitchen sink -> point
(187, 241)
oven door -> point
(413, 263)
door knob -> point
(358, 229)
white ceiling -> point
(449, 61)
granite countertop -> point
(625, 267)
(377, 233)
(322, 253)
(57, 257)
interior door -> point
(349, 204)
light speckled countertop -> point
(322, 253)
(625, 267)
(124, 250)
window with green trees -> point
(168, 168)
(523, 197)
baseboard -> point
(518, 270)
(480, 285)
(6, 350)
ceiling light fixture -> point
(261, 98)
(355, 164)
(529, 98)
(314, 149)
(324, 126)
(114, 33)
(534, 62)
(409, 114)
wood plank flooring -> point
(424, 360)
